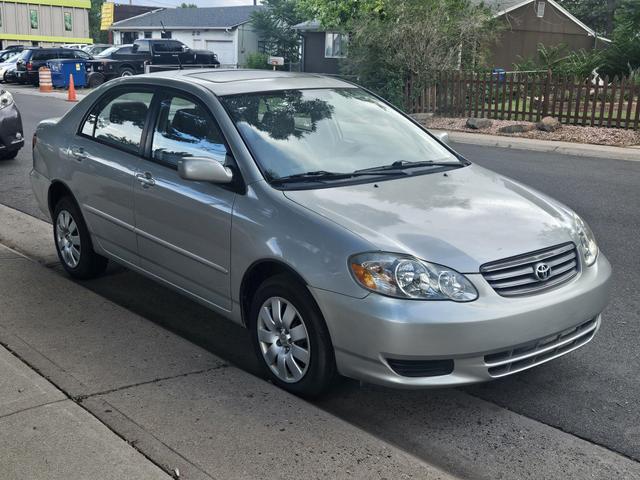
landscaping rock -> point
(549, 124)
(478, 123)
(518, 128)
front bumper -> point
(367, 332)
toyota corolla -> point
(346, 237)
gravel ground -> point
(568, 133)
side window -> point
(66, 53)
(120, 121)
(143, 47)
(185, 129)
(82, 55)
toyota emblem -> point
(542, 271)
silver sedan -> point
(347, 238)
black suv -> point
(34, 58)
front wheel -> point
(73, 242)
(290, 337)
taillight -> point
(29, 66)
(34, 139)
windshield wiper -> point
(320, 175)
(404, 164)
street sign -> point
(106, 15)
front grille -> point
(540, 351)
(421, 368)
(517, 275)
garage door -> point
(224, 49)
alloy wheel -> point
(284, 339)
(68, 239)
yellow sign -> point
(106, 16)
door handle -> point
(79, 153)
(146, 179)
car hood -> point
(460, 218)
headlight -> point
(586, 240)
(6, 99)
(403, 276)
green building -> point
(44, 22)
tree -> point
(391, 41)
(274, 25)
(188, 5)
(594, 13)
(340, 13)
(95, 17)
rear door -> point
(184, 227)
(106, 154)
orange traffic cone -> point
(71, 97)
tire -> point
(70, 235)
(281, 350)
(127, 72)
(9, 155)
(96, 80)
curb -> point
(631, 154)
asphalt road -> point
(592, 393)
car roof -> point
(235, 81)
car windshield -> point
(329, 131)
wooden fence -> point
(530, 97)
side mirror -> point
(443, 137)
(204, 170)
(185, 48)
(135, 47)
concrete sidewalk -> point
(177, 404)
(44, 435)
(563, 148)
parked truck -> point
(127, 60)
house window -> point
(540, 9)
(68, 22)
(148, 34)
(33, 17)
(335, 45)
(0, 18)
(165, 35)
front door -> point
(106, 157)
(184, 227)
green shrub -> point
(258, 60)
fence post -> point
(547, 92)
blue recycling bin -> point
(499, 74)
(61, 70)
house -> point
(44, 22)
(321, 49)
(226, 31)
(528, 23)
(116, 12)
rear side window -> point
(44, 55)
(120, 120)
(186, 129)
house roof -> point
(502, 7)
(309, 26)
(189, 18)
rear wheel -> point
(127, 72)
(73, 242)
(290, 337)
